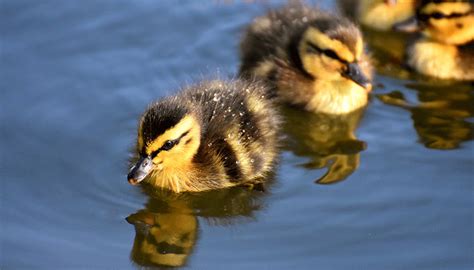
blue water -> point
(76, 75)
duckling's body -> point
(212, 135)
(446, 48)
(443, 61)
(383, 14)
(311, 59)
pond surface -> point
(394, 182)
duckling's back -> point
(271, 34)
(239, 130)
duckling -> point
(212, 135)
(383, 14)
(310, 58)
(446, 48)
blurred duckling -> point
(311, 59)
(446, 49)
(383, 14)
(211, 135)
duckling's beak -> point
(391, 2)
(409, 25)
(354, 72)
(140, 170)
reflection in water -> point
(328, 140)
(163, 238)
(443, 116)
(166, 230)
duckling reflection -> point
(441, 117)
(167, 229)
(329, 140)
(163, 239)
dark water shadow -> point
(329, 141)
(167, 228)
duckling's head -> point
(331, 49)
(382, 14)
(446, 21)
(169, 136)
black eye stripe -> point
(439, 15)
(168, 144)
(329, 53)
(332, 54)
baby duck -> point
(446, 49)
(383, 14)
(310, 58)
(212, 135)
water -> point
(74, 77)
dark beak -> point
(354, 73)
(391, 2)
(140, 170)
(409, 25)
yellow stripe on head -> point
(324, 42)
(186, 124)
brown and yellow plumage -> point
(211, 135)
(446, 48)
(311, 59)
(383, 14)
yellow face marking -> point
(456, 30)
(175, 132)
(446, 8)
(172, 167)
(324, 42)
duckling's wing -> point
(289, 77)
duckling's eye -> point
(437, 15)
(329, 53)
(168, 145)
